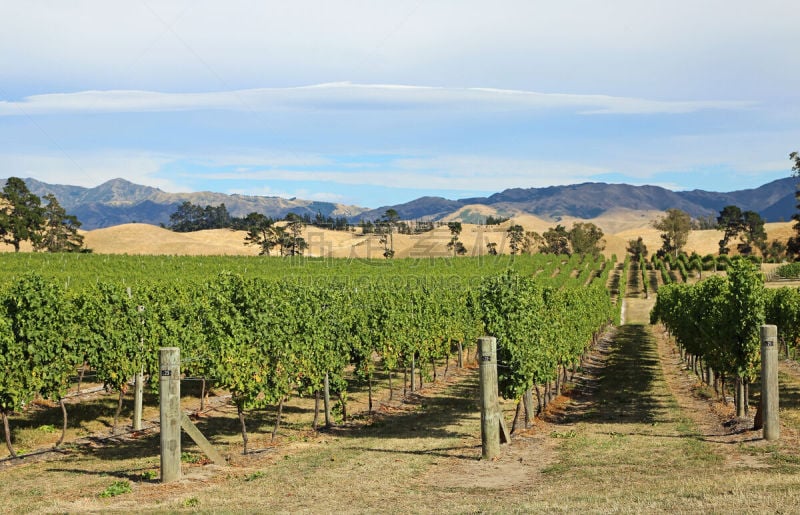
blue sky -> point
(380, 102)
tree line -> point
(585, 238)
(189, 217)
(47, 227)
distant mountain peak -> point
(119, 201)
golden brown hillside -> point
(619, 226)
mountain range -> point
(119, 201)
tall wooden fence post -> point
(327, 400)
(138, 384)
(138, 397)
(769, 381)
(170, 403)
(493, 428)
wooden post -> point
(137, 401)
(138, 392)
(493, 428)
(327, 400)
(769, 381)
(169, 359)
(413, 363)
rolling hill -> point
(773, 201)
(149, 239)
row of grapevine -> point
(717, 320)
(684, 264)
(78, 271)
(661, 266)
(783, 310)
(541, 331)
(262, 339)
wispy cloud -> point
(346, 96)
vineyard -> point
(266, 330)
(388, 346)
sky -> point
(378, 102)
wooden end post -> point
(493, 428)
(170, 403)
(769, 381)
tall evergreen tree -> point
(793, 247)
(294, 244)
(516, 238)
(753, 234)
(261, 232)
(456, 246)
(21, 214)
(386, 228)
(60, 230)
(730, 222)
(748, 226)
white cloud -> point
(351, 97)
(173, 44)
(436, 83)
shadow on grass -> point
(441, 452)
(435, 418)
(634, 289)
(788, 395)
(419, 417)
(615, 281)
(86, 414)
(138, 475)
(620, 385)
